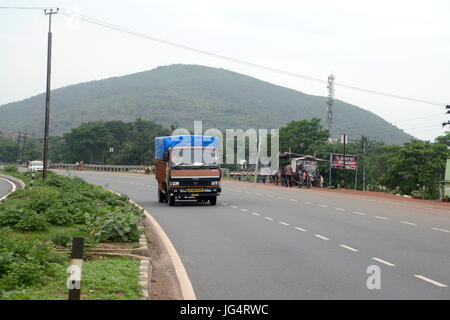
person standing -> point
(288, 173)
(81, 165)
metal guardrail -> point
(101, 167)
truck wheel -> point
(171, 201)
(161, 196)
(213, 201)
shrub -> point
(26, 263)
(58, 215)
(32, 221)
(62, 239)
(9, 216)
(11, 168)
(118, 225)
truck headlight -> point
(174, 183)
(215, 183)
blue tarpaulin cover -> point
(162, 144)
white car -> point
(36, 166)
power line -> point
(24, 8)
(427, 117)
(293, 74)
(204, 52)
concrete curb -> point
(145, 271)
(145, 267)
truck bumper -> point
(195, 192)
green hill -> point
(180, 94)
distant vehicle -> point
(36, 165)
(310, 166)
(187, 167)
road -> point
(5, 187)
(267, 242)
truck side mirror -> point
(166, 157)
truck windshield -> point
(194, 157)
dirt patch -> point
(164, 282)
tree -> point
(303, 137)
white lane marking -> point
(234, 207)
(430, 281)
(258, 194)
(307, 202)
(295, 200)
(321, 237)
(255, 214)
(283, 223)
(238, 191)
(380, 217)
(300, 229)
(360, 213)
(281, 198)
(245, 210)
(410, 223)
(268, 218)
(383, 261)
(224, 203)
(443, 230)
(270, 196)
(348, 248)
(340, 209)
(323, 205)
(248, 192)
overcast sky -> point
(400, 47)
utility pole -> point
(330, 103)
(17, 149)
(48, 12)
(23, 147)
(364, 165)
(345, 162)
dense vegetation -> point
(414, 168)
(180, 94)
(33, 222)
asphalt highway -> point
(5, 187)
(267, 242)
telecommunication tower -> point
(330, 103)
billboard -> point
(337, 161)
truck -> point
(187, 168)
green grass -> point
(29, 266)
(104, 279)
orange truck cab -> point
(187, 168)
